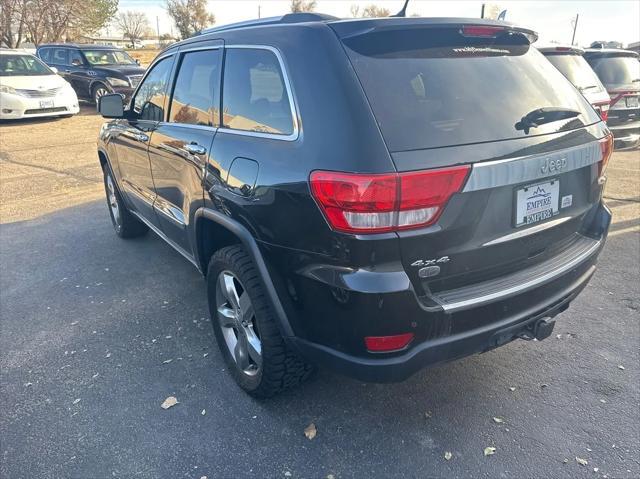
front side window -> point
(150, 97)
(22, 65)
(196, 96)
(254, 94)
(108, 57)
(60, 56)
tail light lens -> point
(481, 31)
(355, 203)
(606, 145)
(603, 110)
(386, 344)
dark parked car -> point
(570, 62)
(374, 195)
(619, 71)
(93, 70)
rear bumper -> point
(441, 336)
(626, 135)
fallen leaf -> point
(498, 420)
(565, 460)
(582, 462)
(448, 456)
(310, 431)
(76, 401)
(167, 361)
(621, 367)
(108, 355)
(330, 476)
(544, 385)
(287, 474)
(595, 469)
(203, 412)
(489, 451)
(512, 389)
(169, 402)
(427, 414)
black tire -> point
(124, 223)
(281, 368)
(97, 91)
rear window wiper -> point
(541, 116)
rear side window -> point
(255, 97)
(618, 70)
(433, 87)
(150, 98)
(75, 58)
(196, 92)
(577, 71)
(45, 54)
(60, 56)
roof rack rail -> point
(288, 18)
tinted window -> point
(75, 58)
(255, 97)
(577, 71)
(616, 69)
(433, 87)
(196, 92)
(59, 56)
(108, 57)
(150, 97)
(45, 54)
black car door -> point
(134, 132)
(78, 73)
(60, 58)
(179, 147)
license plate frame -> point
(46, 103)
(536, 202)
(632, 102)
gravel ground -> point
(96, 332)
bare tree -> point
(190, 16)
(133, 25)
(374, 11)
(299, 6)
(370, 11)
(52, 20)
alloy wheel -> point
(236, 317)
(113, 200)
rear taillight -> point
(387, 344)
(603, 111)
(481, 31)
(606, 146)
(357, 203)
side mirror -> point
(111, 106)
(54, 70)
(138, 61)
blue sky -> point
(599, 20)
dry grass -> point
(145, 56)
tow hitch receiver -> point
(539, 330)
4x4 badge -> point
(430, 262)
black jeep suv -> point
(93, 70)
(373, 196)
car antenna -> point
(403, 12)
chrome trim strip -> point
(153, 228)
(529, 231)
(520, 288)
(292, 104)
(170, 211)
(511, 171)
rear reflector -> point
(357, 203)
(606, 145)
(386, 344)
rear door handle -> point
(195, 149)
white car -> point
(30, 89)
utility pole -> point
(158, 27)
(259, 11)
(575, 27)
(482, 11)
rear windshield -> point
(616, 70)
(577, 71)
(431, 88)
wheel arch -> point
(209, 223)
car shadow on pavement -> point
(103, 330)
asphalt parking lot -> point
(96, 332)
